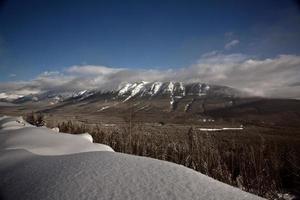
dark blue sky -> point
(41, 35)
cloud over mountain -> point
(274, 77)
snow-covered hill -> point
(39, 163)
(54, 97)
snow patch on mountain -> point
(181, 86)
(80, 93)
(170, 88)
(221, 129)
(155, 87)
(103, 108)
(135, 90)
(126, 88)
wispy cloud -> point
(92, 70)
(229, 34)
(275, 77)
(231, 44)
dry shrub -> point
(36, 119)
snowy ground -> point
(7, 104)
(220, 129)
(39, 163)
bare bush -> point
(36, 119)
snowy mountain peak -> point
(153, 89)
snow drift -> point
(39, 163)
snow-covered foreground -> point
(39, 163)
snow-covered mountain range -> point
(130, 91)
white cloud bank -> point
(273, 77)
